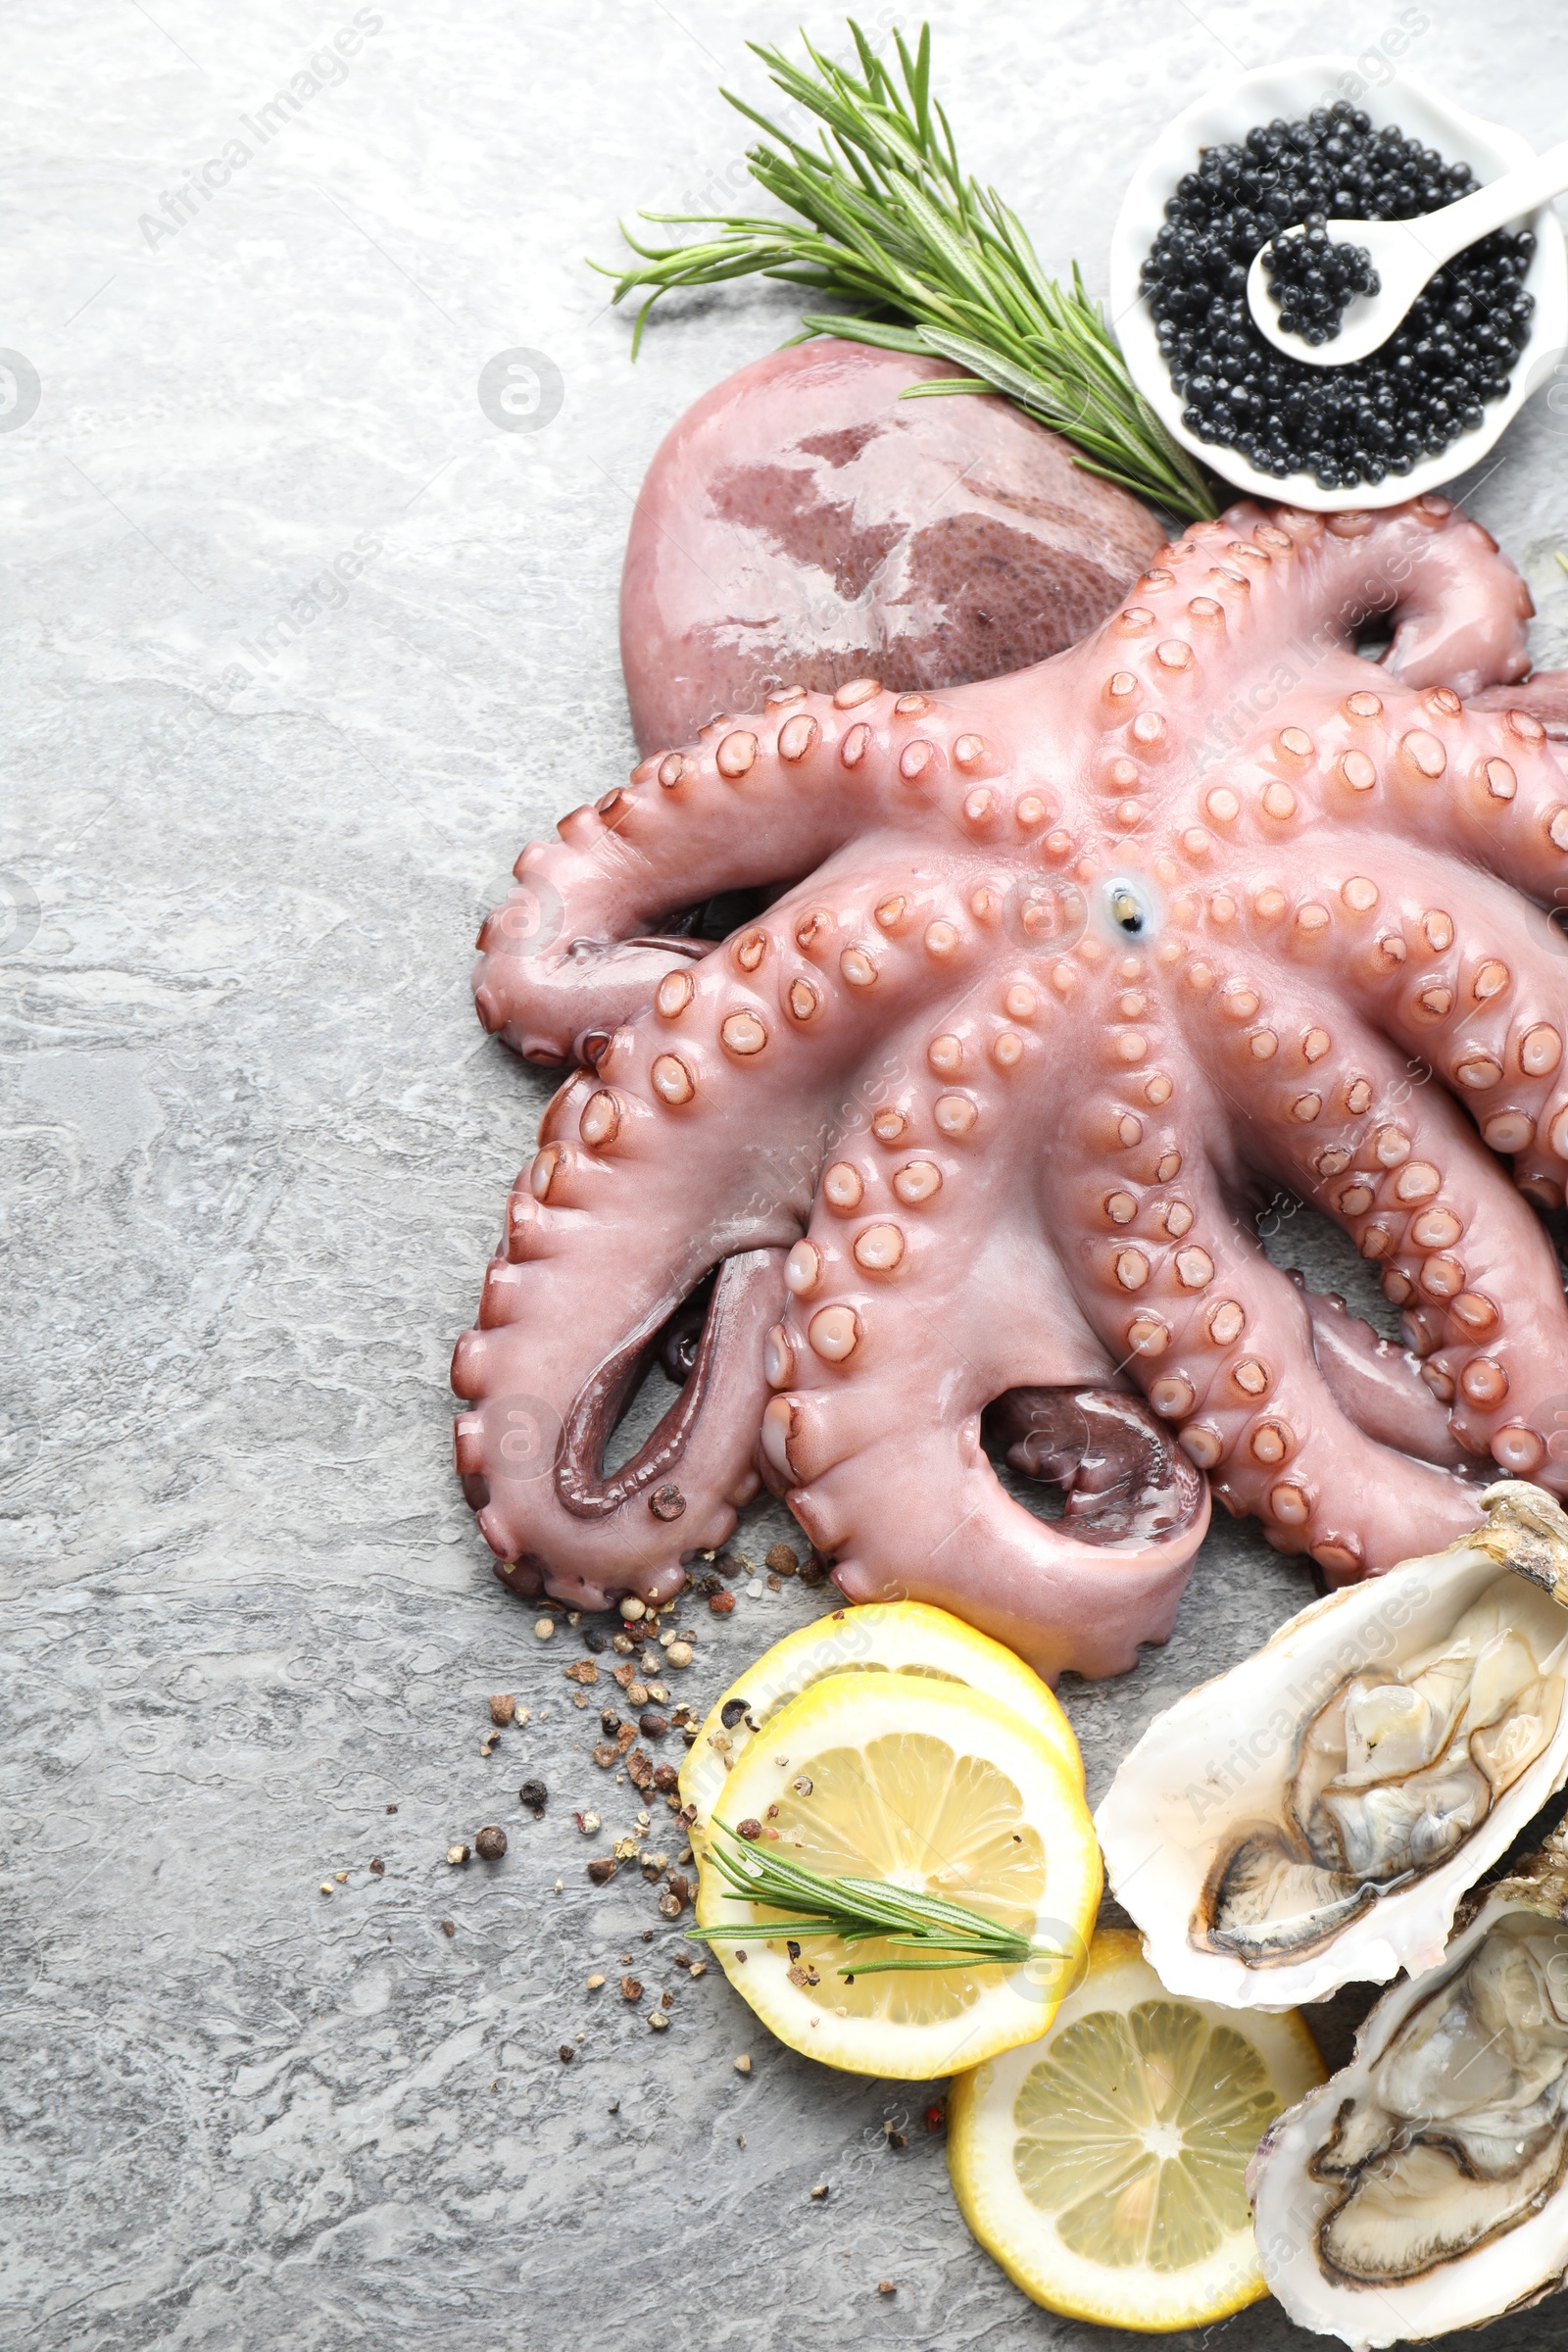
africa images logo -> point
(326, 69)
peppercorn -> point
(490, 1844)
(535, 1794)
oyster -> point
(1317, 1814)
(1425, 2187)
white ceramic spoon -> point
(1404, 255)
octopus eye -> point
(1130, 906)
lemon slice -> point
(1104, 2166)
(932, 1786)
(905, 1638)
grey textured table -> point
(298, 649)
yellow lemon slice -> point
(905, 1638)
(1104, 2165)
(932, 1786)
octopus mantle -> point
(1051, 978)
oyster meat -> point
(1393, 1773)
(1425, 2187)
(1317, 1814)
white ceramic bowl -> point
(1292, 90)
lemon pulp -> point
(1104, 2164)
(925, 1783)
(1135, 2134)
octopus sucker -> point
(1022, 948)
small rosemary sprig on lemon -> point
(933, 1932)
(931, 262)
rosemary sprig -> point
(935, 1932)
(930, 261)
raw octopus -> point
(958, 1134)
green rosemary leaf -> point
(935, 386)
(927, 261)
(919, 1930)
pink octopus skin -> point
(929, 540)
(1059, 971)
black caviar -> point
(1312, 278)
(1429, 382)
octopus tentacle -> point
(1221, 1343)
(757, 802)
(1124, 1476)
(898, 1338)
(1377, 1384)
(1457, 980)
(1400, 1169)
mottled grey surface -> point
(255, 1152)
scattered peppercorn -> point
(732, 1712)
(782, 1559)
(632, 1989)
(749, 1828)
(457, 1854)
(543, 1629)
(603, 1869)
(534, 1794)
(449, 1927)
(721, 1604)
(503, 1706)
(651, 1725)
(490, 1844)
(377, 1868)
(567, 2053)
(592, 1640)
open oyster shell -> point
(1425, 2187)
(1317, 1814)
